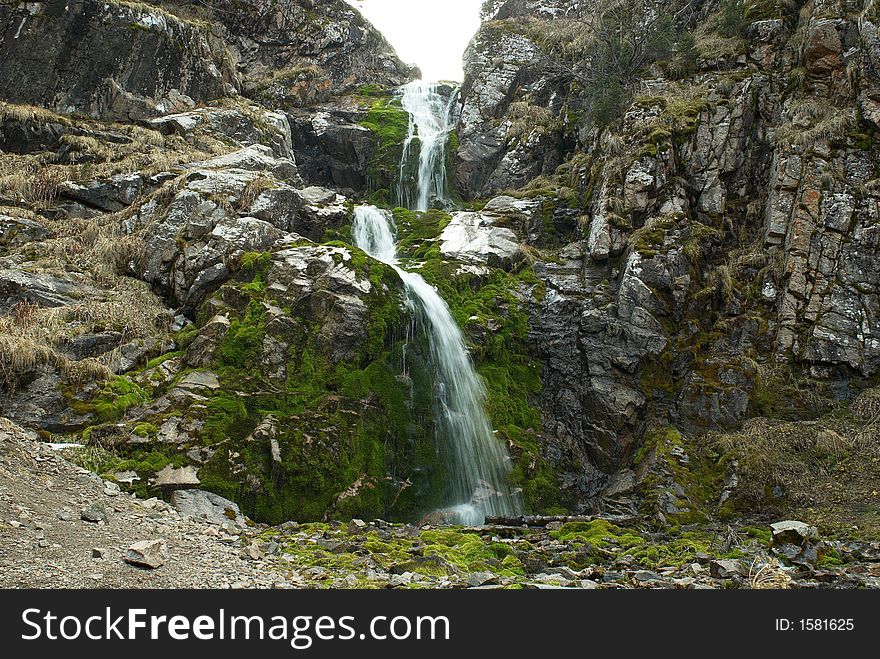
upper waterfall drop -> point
(478, 472)
(431, 120)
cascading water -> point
(480, 466)
(430, 123)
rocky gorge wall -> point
(722, 263)
(649, 299)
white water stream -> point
(479, 470)
(430, 123)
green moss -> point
(675, 553)
(389, 123)
(117, 396)
(763, 535)
(598, 533)
(416, 231)
(158, 361)
(243, 344)
(471, 553)
(702, 476)
(831, 558)
(145, 430)
(781, 393)
(372, 90)
(225, 412)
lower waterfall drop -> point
(480, 465)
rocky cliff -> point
(131, 60)
(670, 286)
(721, 264)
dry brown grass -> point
(25, 346)
(768, 574)
(866, 411)
(811, 121)
(770, 453)
(31, 113)
(83, 154)
(31, 181)
(94, 251)
(251, 191)
(527, 120)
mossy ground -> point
(326, 554)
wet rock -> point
(150, 554)
(332, 150)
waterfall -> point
(430, 123)
(479, 469)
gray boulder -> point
(207, 506)
(42, 289)
(15, 231)
(150, 554)
(246, 125)
(110, 195)
(794, 533)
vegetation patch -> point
(389, 123)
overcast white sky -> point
(430, 33)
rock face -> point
(335, 48)
(241, 202)
(135, 61)
(703, 259)
(492, 157)
(333, 149)
(245, 125)
(104, 75)
(717, 239)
